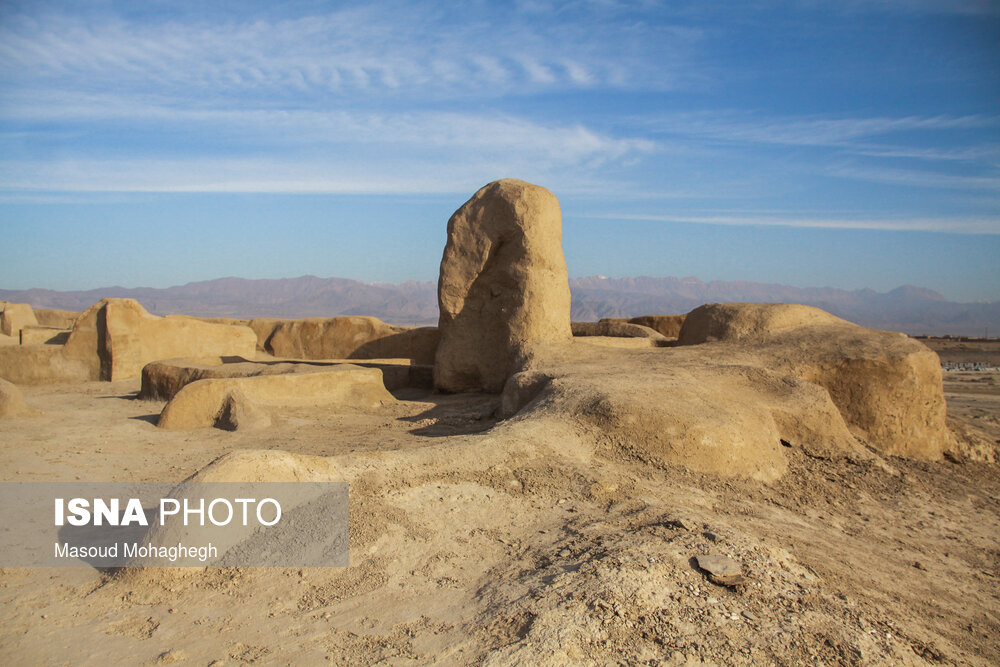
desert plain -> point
(524, 490)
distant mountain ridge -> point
(910, 309)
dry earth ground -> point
(965, 351)
(546, 554)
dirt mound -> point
(732, 322)
(503, 286)
(203, 403)
(887, 386)
(666, 325)
(685, 408)
(346, 338)
(971, 444)
(12, 401)
(161, 380)
(520, 390)
(776, 377)
(623, 342)
(267, 465)
(613, 329)
(245, 466)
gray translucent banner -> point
(154, 524)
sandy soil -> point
(549, 554)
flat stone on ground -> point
(721, 570)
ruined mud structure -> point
(545, 415)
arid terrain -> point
(468, 546)
(748, 483)
(544, 333)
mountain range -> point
(910, 309)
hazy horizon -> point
(910, 309)
(434, 281)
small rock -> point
(721, 570)
(681, 523)
(749, 616)
(920, 566)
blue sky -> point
(847, 144)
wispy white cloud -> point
(955, 225)
(441, 129)
(915, 178)
(396, 48)
(348, 154)
(446, 145)
(860, 148)
(963, 154)
(809, 130)
(218, 175)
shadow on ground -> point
(450, 414)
